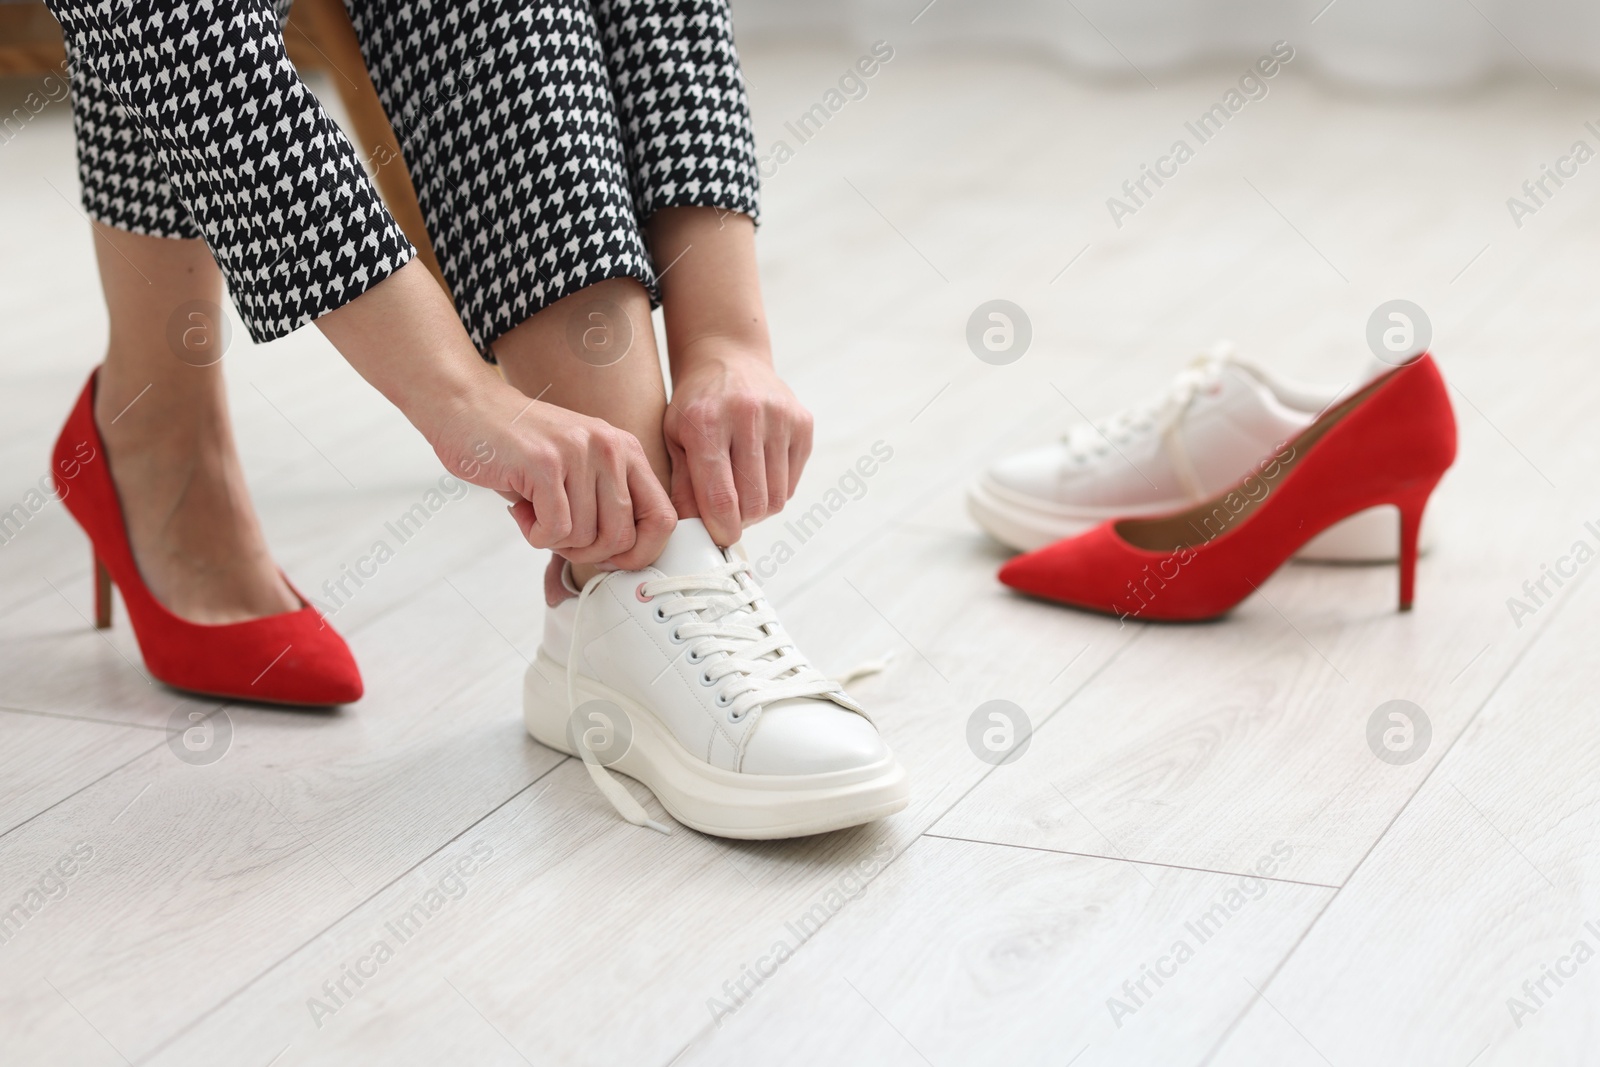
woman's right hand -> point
(578, 485)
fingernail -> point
(606, 567)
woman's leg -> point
(594, 352)
(163, 415)
(737, 436)
(536, 145)
(160, 404)
(509, 130)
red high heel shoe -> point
(290, 658)
(1388, 444)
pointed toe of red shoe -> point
(1071, 571)
(318, 669)
(1031, 572)
(292, 658)
(329, 674)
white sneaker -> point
(1220, 418)
(683, 678)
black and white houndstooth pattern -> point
(260, 170)
(681, 100)
(539, 137)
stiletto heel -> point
(290, 658)
(1411, 509)
(1389, 443)
(102, 596)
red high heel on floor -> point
(1390, 443)
(290, 658)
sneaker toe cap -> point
(1038, 472)
(811, 737)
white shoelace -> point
(1087, 444)
(730, 631)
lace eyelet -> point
(735, 719)
(675, 635)
(708, 681)
(660, 614)
(693, 656)
(722, 702)
(639, 592)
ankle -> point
(169, 414)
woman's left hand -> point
(738, 439)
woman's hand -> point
(578, 485)
(737, 436)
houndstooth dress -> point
(539, 135)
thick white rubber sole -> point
(709, 799)
(1371, 536)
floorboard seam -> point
(1488, 698)
(87, 785)
(80, 718)
(1124, 859)
(706, 1031)
(280, 961)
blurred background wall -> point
(1374, 44)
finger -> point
(582, 498)
(551, 517)
(615, 533)
(776, 454)
(682, 485)
(799, 451)
(715, 496)
(750, 475)
(522, 514)
(654, 517)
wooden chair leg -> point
(30, 40)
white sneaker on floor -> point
(685, 680)
(1217, 422)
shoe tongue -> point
(1246, 384)
(689, 550)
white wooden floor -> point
(994, 920)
